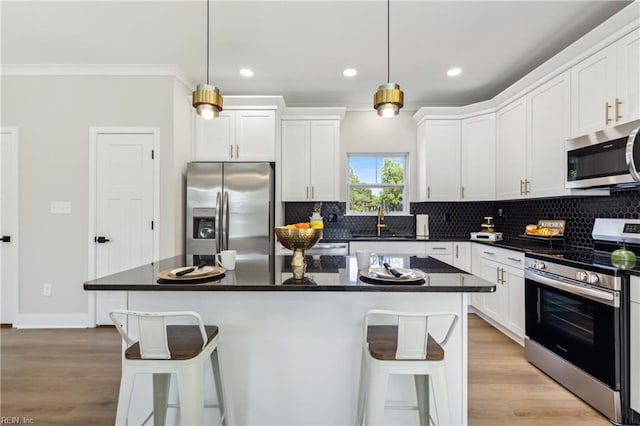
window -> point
(377, 180)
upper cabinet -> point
(310, 159)
(512, 149)
(531, 142)
(438, 159)
(236, 135)
(605, 88)
(478, 158)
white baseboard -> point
(53, 321)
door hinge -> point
(153, 154)
(152, 225)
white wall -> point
(366, 132)
(182, 136)
(53, 115)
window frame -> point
(404, 185)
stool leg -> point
(376, 394)
(217, 377)
(422, 395)
(362, 391)
(160, 398)
(124, 396)
(190, 389)
(441, 396)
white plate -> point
(383, 275)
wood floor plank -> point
(71, 377)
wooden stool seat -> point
(185, 342)
(383, 344)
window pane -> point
(372, 170)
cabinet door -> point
(255, 136)
(213, 138)
(549, 114)
(628, 81)
(492, 302)
(478, 158)
(421, 162)
(442, 146)
(511, 145)
(514, 304)
(592, 87)
(462, 256)
(295, 154)
(324, 160)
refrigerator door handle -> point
(219, 220)
(225, 201)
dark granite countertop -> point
(273, 273)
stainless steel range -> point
(577, 318)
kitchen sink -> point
(386, 237)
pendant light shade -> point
(207, 99)
(388, 99)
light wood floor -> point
(71, 377)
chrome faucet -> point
(380, 225)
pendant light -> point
(388, 98)
(207, 99)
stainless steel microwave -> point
(614, 162)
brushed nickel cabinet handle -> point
(502, 276)
(521, 191)
(457, 252)
(526, 186)
(488, 252)
(616, 109)
(498, 275)
(462, 192)
(606, 112)
(237, 151)
(307, 192)
(313, 192)
(438, 248)
(514, 259)
(230, 151)
(428, 192)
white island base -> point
(293, 357)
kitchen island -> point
(290, 351)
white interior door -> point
(8, 224)
(124, 208)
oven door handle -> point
(631, 164)
(608, 298)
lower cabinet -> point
(413, 248)
(106, 301)
(462, 256)
(505, 307)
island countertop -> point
(273, 273)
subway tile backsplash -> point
(455, 220)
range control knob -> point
(540, 265)
(581, 276)
(593, 278)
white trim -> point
(93, 139)
(167, 70)
(54, 321)
(13, 131)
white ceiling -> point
(298, 49)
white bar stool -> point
(399, 343)
(163, 350)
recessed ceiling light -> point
(453, 72)
(350, 72)
(246, 72)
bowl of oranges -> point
(298, 236)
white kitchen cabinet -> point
(310, 159)
(531, 142)
(462, 255)
(413, 248)
(548, 108)
(438, 160)
(505, 307)
(604, 87)
(442, 251)
(478, 158)
(511, 140)
(236, 135)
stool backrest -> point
(413, 330)
(152, 330)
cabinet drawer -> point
(440, 248)
(501, 255)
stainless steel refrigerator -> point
(229, 206)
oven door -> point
(582, 327)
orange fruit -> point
(302, 225)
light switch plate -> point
(61, 207)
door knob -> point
(6, 238)
(101, 240)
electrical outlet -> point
(46, 290)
